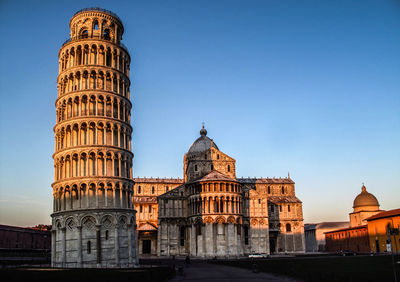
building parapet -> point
(158, 180)
(283, 199)
(262, 180)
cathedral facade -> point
(212, 213)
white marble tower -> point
(93, 217)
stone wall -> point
(101, 239)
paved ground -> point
(202, 271)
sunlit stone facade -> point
(146, 192)
(93, 219)
(212, 213)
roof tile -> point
(395, 212)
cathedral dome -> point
(203, 143)
(365, 199)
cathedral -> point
(103, 217)
(212, 213)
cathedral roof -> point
(158, 180)
(174, 193)
(215, 175)
(265, 180)
(365, 199)
(283, 199)
(203, 143)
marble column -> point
(193, 240)
(136, 245)
(168, 223)
(209, 237)
(98, 246)
(235, 240)
(160, 229)
(63, 247)
(79, 249)
(227, 241)
(130, 258)
(116, 246)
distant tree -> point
(43, 227)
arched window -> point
(89, 247)
(116, 167)
(141, 208)
(288, 208)
(283, 190)
(85, 34)
(269, 189)
(167, 189)
(152, 190)
(195, 167)
(217, 156)
(106, 34)
(139, 189)
(212, 167)
(108, 63)
(149, 209)
(95, 25)
(288, 227)
(229, 168)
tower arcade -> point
(93, 217)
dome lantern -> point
(203, 131)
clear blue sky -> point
(309, 87)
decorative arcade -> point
(94, 223)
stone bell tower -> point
(93, 216)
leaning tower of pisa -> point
(93, 217)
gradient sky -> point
(306, 87)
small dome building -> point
(355, 237)
(364, 206)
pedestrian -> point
(187, 260)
